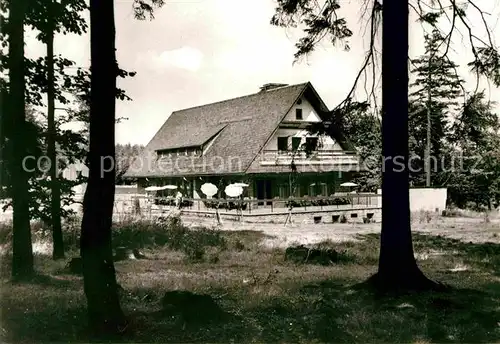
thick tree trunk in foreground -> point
(22, 255)
(55, 192)
(397, 266)
(104, 311)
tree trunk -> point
(100, 286)
(22, 255)
(397, 266)
(428, 130)
(55, 192)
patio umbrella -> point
(243, 185)
(233, 191)
(349, 184)
(209, 189)
(153, 188)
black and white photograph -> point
(266, 171)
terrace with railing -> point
(151, 206)
(276, 157)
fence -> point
(157, 206)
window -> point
(167, 153)
(312, 190)
(162, 155)
(318, 190)
(282, 143)
(281, 191)
(324, 189)
(299, 101)
(312, 143)
(298, 114)
(296, 143)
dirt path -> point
(466, 229)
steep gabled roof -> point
(241, 127)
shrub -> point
(171, 233)
(451, 212)
(172, 202)
(318, 255)
(213, 258)
(318, 202)
(137, 207)
(194, 253)
(5, 233)
(238, 245)
(227, 205)
(71, 232)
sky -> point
(200, 51)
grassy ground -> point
(265, 298)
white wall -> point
(327, 142)
(308, 113)
(426, 199)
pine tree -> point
(435, 96)
(475, 139)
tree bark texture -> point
(397, 265)
(22, 255)
(104, 311)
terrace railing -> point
(160, 205)
(276, 157)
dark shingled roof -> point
(239, 129)
(188, 135)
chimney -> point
(271, 86)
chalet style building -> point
(256, 139)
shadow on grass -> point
(440, 242)
(483, 255)
(61, 280)
(44, 326)
(457, 315)
(197, 322)
(327, 311)
(330, 312)
(56, 281)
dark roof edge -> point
(185, 175)
(248, 95)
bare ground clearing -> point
(465, 229)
